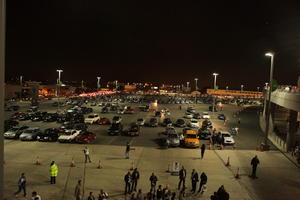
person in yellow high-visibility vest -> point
(53, 172)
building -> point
(235, 93)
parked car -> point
(167, 122)
(115, 129)
(153, 122)
(191, 139)
(49, 135)
(204, 134)
(129, 111)
(205, 115)
(14, 132)
(140, 122)
(104, 110)
(117, 119)
(103, 121)
(134, 130)
(9, 123)
(157, 114)
(197, 116)
(193, 123)
(92, 118)
(206, 124)
(30, 134)
(69, 135)
(221, 117)
(85, 137)
(172, 140)
(188, 115)
(180, 123)
(227, 138)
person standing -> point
(127, 179)
(21, 185)
(139, 195)
(195, 179)
(127, 151)
(53, 172)
(203, 181)
(159, 193)
(203, 147)
(77, 192)
(102, 195)
(135, 177)
(35, 196)
(153, 179)
(182, 194)
(182, 176)
(86, 152)
(254, 163)
(91, 196)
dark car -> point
(206, 124)
(204, 134)
(197, 116)
(167, 121)
(153, 122)
(25, 117)
(157, 114)
(134, 130)
(115, 129)
(180, 123)
(104, 110)
(103, 121)
(80, 126)
(116, 119)
(49, 135)
(8, 124)
(51, 117)
(221, 117)
(12, 108)
(85, 137)
(17, 115)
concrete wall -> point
(289, 100)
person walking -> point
(91, 196)
(35, 196)
(182, 176)
(203, 181)
(53, 172)
(159, 193)
(254, 163)
(127, 179)
(127, 151)
(102, 195)
(203, 147)
(86, 152)
(195, 179)
(135, 177)
(77, 192)
(153, 179)
(21, 185)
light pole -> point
(98, 82)
(266, 146)
(215, 87)
(196, 85)
(226, 87)
(58, 86)
(258, 89)
(116, 84)
(187, 84)
(242, 87)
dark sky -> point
(157, 41)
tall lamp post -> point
(258, 89)
(215, 87)
(116, 84)
(98, 82)
(242, 87)
(58, 85)
(196, 85)
(266, 146)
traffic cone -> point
(237, 175)
(38, 162)
(228, 162)
(72, 163)
(132, 165)
(99, 165)
(209, 147)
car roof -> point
(191, 132)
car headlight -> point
(38, 137)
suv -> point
(115, 129)
(117, 119)
(153, 122)
(180, 123)
(30, 134)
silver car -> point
(173, 140)
(30, 134)
(15, 132)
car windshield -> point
(14, 129)
(191, 136)
(173, 136)
(91, 116)
(194, 121)
(69, 132)
(30, 131)
(226, 135)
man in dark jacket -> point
(195, 179)
(182, 176)
(203, 181)
(135, 177)
(21, 185)
(254, 163)
(153, 179)
(127, 179)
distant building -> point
(235, 93)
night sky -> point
(157, 41)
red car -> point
(129, 111)
(17, 115)
(103, 121)
(85, 137)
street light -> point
(58, 85)
(98, 82)
(226, 87)
(242, 87)
(266, 146)
(196, 86)
(116, 84)
(258, 89)
(215, 87)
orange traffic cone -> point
(237, 175)
(132, 165)
(99, 165)
(228, 162)
(38, 162)
(72, 163)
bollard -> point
(237, 175)
(99, 165)
(228, 162)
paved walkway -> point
(278, 177)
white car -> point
(205, 115)
(92, 118)
(69, 135)
(228, 139)
(188, 115)
(194, 123)
(140, 122)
